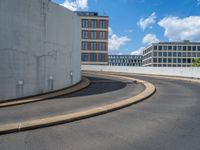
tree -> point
(196, 62)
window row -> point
(94, 23)
(179, 48)
(147, 61)
(125, 61)
(94, 57)
(172, 60)
(125, 64)
(147, 50)
(177, 54)
(94, 46)
(171, 65)
(147, 55)
(124, 57)
(102, 35)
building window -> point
(179, 65)
(155, 54)
(102, 24)
(84, 57)
(93, 46)
(94, 23)
(194, 54)
(169, 47)
(102, 35)
(189, 61)
(84, 46)
(93, 35)
(102, 57)
(169, 54)
(194, 48)
(184, 48)
(174, 60)
(160, 60)
(165, 54)
(179, 60)
(179, 54)
(160, 54)
(174, 47)
(165, 47)
(102, 46)
(155, 47)
(174, 54)
(184, 54)
(84, 34)
(198, 48)
(160, 47)
(189, 54)
(155, 60)
(93, 57)
(164, 60)
(85, 23)
(169, 60)
(179, 48)
(189, 48)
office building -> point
(171, 54)
(94, 44)
(125, 60)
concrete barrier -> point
(190, 72)
(39, 48)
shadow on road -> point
(98, 86)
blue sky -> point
(134, 24)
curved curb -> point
(85, 82)
(49, 121)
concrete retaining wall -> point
(168, 71)
(39, 47)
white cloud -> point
(138, 52)
(143, 23)
(181, 28)
(115, 41)
(147, 40)
(198, 2)
(110, 31)
(75, 4)
(150, 38)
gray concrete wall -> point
(39, 47)
(191, 72)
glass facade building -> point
(171, 54)
(125, 60)
(94, 43)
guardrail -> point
(190, 72)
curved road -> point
(169, 120)
(102, 90)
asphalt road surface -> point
(168, 120)
(100, 92)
